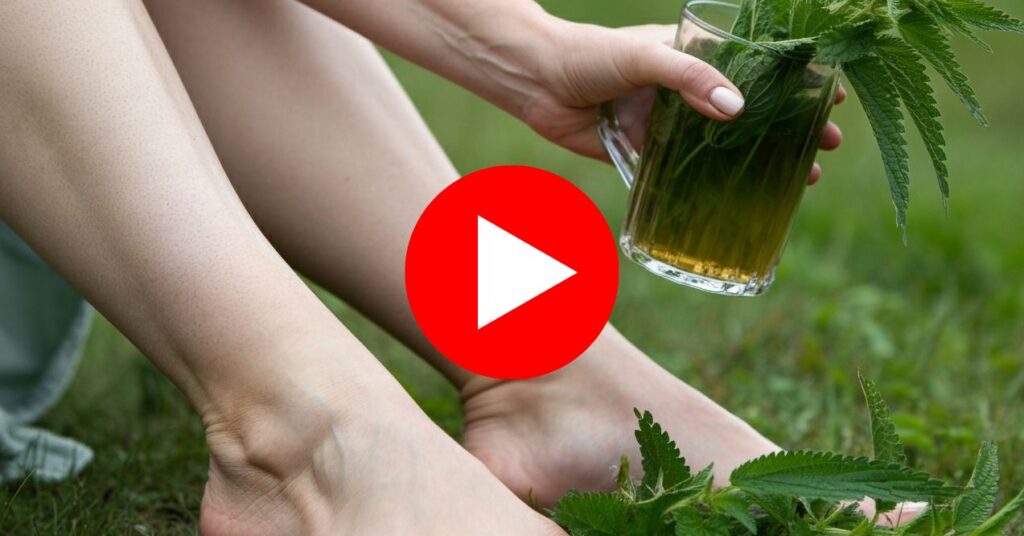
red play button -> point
(511, 272)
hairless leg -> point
(335, 165)
(106, 171)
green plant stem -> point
(686, 161)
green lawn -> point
(939, 322)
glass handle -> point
(625, 157)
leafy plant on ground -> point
(798, 493)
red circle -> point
(543, 210)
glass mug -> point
(712, 203)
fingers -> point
(832, 137)
(841, 94)
(815, 175)
(705, 89)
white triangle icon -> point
(510, 272)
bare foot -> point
(565, 430)
(543, 436)
(296, 465)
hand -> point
(592, 65)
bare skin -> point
(300, 418)
(336, 174)
(106, 170)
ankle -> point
(601, 363)
(275, 414)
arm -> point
(548, 72)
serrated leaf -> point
(895, 8)
(844, 44)
(691, 522)
(703, 480)
(886, 442)
(985, 17)
(808, 17)
(835, 477)
(932, 42)
(664, 467)
(906, 68)
(999, 522)
(940, 12)
(761, 20)
(798, 49)
(736, 506)
(592, 514)
(880, 99)
(781, 508)
(768, 82)
(974, 506)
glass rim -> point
(689, 15)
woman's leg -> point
(321, 143)
(335, 165)
(105, 170)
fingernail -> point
(727, 102)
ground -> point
(939, 322)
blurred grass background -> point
(939, 322)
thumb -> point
(705, 89)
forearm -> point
(550, 73)
(495, 48)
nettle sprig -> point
(789, 493)
(883, 47)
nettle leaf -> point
(984, 17)
(664, 467)
(592, 514)
(781, 508)
(768, 81)
(932, 43)
(847, 43)
(652, 513)
(880, 99)
(943, 14)
(1001, 521)
(887, 444)
(794, 48)
(906, 68)
(691, 522)
(835, 477)
(808, 17)
(974, 506)
(702, 481)
(761, 20)
(743, 26)
(895, 8)
(737, 506)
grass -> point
(940, 322)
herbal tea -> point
(717, 200)
(713, 202)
